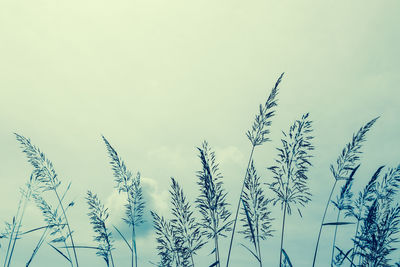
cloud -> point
(156, 199)
(230, 154)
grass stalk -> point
(283, 231)
(322, 222)
(334, 237)
(257, 136)
(346, 163)
(131, 186)
(46, 175)
(238, 207)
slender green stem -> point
(334, 237)
(322, 222)
(238, 206)
(283, 231)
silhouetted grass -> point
(181, 235)
(290, 172)
(98, 215)
(256, 216)
(131, 186)
(212, 200)
(345, 164)
(257, 135)
(48, 181)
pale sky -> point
(156, 78)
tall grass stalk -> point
(212, 200)
(56, 224)
(184, 225)
(342, 203)
(169, 246)
(360, 206)
(47, 177)
(131, 186)
(345, 163)
(380, 229)
(258, 134)
(290, 172)
(98, 216)
(256, 217)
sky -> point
(157, 78)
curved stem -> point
(322, 222)
(238, 206)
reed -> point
(212, 202)
(345, 164)
(290, 172)
(98, 215)
(256, 216)
(48, 180)
(126, 183)
(257, 135)
(184, 225)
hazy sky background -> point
(159, 77)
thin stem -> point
(191, 257)
(334, 237)
(134, 242)
(69, 229)
(18, 227)
(354, 246)
(12, 231)
(40, 242)
(322, 222)
(283, 231)
(217, 250)
(109, 250)
(258, 244)
(238, 206)
(43, 237)
(69, 255)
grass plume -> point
(98, 216)
(212, 200)
(184, 225)
(345, 164)
(47, 178)
(131, 186)
(256, 217)
(257, 135)
(290, 172)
